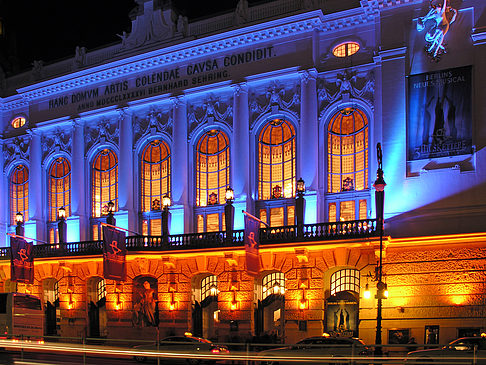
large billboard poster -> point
(439, 114)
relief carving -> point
(155, 122)
(104, 131)
(212, 109)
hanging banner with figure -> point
(114, 254)
(252, 242)
(439, 114)
(22, 260)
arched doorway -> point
(342, 306)
(50, 291)
(97, 318)
(270, 311)
(205, 314)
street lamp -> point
(110, 219)
(229, 214)
(19, 218)
(299, 207)
(381, 287)
(61, 225)
(166, 202)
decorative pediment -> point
(344, 86)
(276, 98)
(104, 131)
(211, 110)
(155, 122)
(56, 142)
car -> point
(325, 347)
(464, 350)
(177, 349)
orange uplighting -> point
(458, 299)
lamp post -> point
(299, 207)
(229, 214)
(379, 186)
(166, 202)
(61, 225)
(110, 219)
(19, 229)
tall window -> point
(347, 157)
(212, 176)
(19, 193)
(155, 183)
(59, 187)
(212, 179)
(104, 182)
(276, 160)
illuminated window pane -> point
(212, 169)
(263, 217)
(94, 229)
(347, 151)
(19, 193)
(212, 222)
(290, 215)
(332, 212)
(347, 210)
(277, 217)
(209, 287)
(155, 177)
(104, 182)
(145, 227)
(18, 122)
(363, 210)
(273, 283)
(200, 223)
(346, 279)
(59, 184)
(156, 227)
(276, 160)
(345, 49)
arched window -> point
(212, 175)
(276, 160)
(347, 160)
(273, 283)
(59, 184)
(345, 280)
(212, 179)
(209, 287)
(19, 193)
(104, 182)
(276, 173)
(155, 183)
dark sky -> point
(50, 30)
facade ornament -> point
(79, 57)
(241, 12)
(182, 25)
(105, 131)
(307, 75)
(15, 149)
(276, 99)
(153, 22)
(240, 88)
(212, 109)
(56, 142)
(37, 70)
(155, 122)
(347, 84)
(437, 22)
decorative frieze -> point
(156, 121)
(15, 149)
(56, 142)
(104, 131)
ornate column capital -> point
(239, 88)
(307, 75)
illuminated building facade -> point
(254, 100)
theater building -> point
(256, 101)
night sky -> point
(51, 30)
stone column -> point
(308, 141)
(79, 190)
(4, 197)
(240, 152)
(180, 183)
(37, 225)
(125, 170)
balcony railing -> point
(272, 235)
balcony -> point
(189, 241)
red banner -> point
(252, 242)
(21, 260)
(114, 254)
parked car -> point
(180, 347)
(464, 350)
(325, 347)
